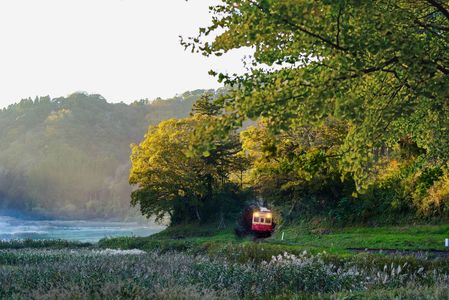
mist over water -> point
(17, 228)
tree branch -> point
(442, 69)
(302, 29)
(370, 70)
(440, 7)
(431, 26)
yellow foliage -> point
(436, 202)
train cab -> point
(262, 221)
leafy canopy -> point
(172, 180)
(298, 168)
(380, 65)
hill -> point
(69, 156)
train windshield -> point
(262, 219)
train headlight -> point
(269, 216)
(256, 214)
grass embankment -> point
(298, 238)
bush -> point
(436, 202)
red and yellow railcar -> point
(262, 221)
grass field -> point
(201, 262)
(132, 274)
(417, 237)
(296, 238)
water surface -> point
(13, 228)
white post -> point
(446, 242)
(282, 238)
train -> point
(257, 221)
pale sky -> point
(122, 49)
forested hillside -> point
(70, 156)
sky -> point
(124, 50)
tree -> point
(206, 106)
(298, 169)
(380, 65)
(172, 180)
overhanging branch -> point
(440, 7)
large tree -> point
(177, 182)
(381, 65)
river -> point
(15, 228)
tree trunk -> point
(222, 224)
(197, 212)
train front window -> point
(256, 219)
(268, 220)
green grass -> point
(200, 233)
(296, 239)
(413, 237)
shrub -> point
(436, 202)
